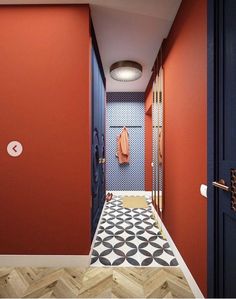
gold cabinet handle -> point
(102, 161)
(221, 185)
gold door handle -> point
(103, 161)
(221, 185)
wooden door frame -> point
(212, 145)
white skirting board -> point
(191, 281)
(44, 260)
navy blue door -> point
(222, 195)
(98, 144)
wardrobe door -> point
(98, 144)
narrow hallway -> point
(103, 96)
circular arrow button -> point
(14, 148)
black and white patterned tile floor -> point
(129, 237)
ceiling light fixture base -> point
(126, 71)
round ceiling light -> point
(126, 71)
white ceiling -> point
(126, 30)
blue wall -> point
(125, 109)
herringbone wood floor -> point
(93, 282)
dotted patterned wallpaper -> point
(125, 109)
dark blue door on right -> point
(225, 185)
(98, 144)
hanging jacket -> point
(123, 153)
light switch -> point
(203, 190)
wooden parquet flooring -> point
(94, 282)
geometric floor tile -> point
(94, 282)
(130, 238)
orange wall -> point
(148, 142)
(185, 70)
(44, 103)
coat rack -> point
(126, 126)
